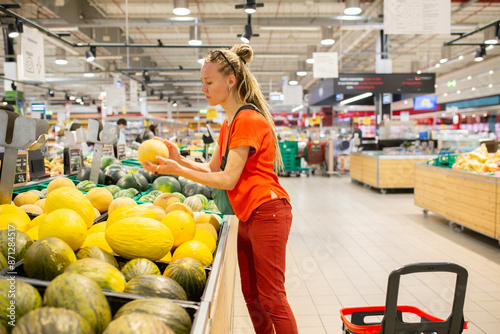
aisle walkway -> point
(346, 239)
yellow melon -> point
(209, 228)
(70, 198)
(119, 202)
(97, 239)
(100, 198)
(166, 199)
(179, 206)
(206, 238)
(36, 221)
(160, 212)
(149, 149)
(97, 214)
(182, 226)
(33, 233)
(139, 237)
(129, 212)
(99, 227)
(41, 203)
(32, 208)
(64, 224)
(208, 218)
(59, 183)
(11, 208)
(26, 198)
(167, 258)
(194, 249)
(8, 221)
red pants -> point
(262, 260)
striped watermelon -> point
(52, 320)
(26, 299)
(103, 273)
(113, 189)
(180, 196)
(86, 185)
(82, 295)
(203, 199)
(47, 258)
(171, 314)
(190, 274)
(156, 286)
(139, 266)
(194, 203)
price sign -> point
(211, 113)
(121, 151)
(21, 174)
(107, 150)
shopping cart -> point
(392, 321)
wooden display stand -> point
(465, 199)
(385, 171)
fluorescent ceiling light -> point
(88, 75)
(181, 7)
(293, 83)
(193, 36)
(352, 7)
(490, 34)
(289, 28)
(301, 73)
(310, 61)
(356, 98)
(201, 60)
(327, 36)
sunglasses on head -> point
(215, 54)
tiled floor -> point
(345, 241)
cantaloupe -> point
(100, 198)
(59, 183)
(119, 202)
(149, 149)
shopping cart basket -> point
(392, 321)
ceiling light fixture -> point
(469, 77)
(480, 53)
(60, 57)
(352, 7)
(445, 54)
(201, 60)
(292, 79)
(327, 36)
(250, 6)
(193, 36)
(491, 34)
(460, 57)
(310, 50)
(90, 54)
(14, 29)
(181, 7)
(356, 98)
(248, 34)
(301, 69)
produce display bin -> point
(385, 171)
(465, 199)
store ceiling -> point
(286, 28)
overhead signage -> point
(484, 101)
(451, 83)
(32, 60)
(425, 102)
(384, 83)
(293, 95)
(417, 17)
(326, 65)
(40, 107)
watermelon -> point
(22, 243)
(38, 193)
(190, 274)
(166, 184)
(47, 258)
(171, 314)
(108, 161)
(3, 262)
(203, 199)
(82, 295)
(113, 173)
(25, 296)
(103, 273)
(94, 252)
(52, 320)
(155, 193)
(133, 180)
(192, 189)
(156, 286)
(113, 189)
(138, 267)
(147, 198)
(180, 196)
(84, 174)
(124, 193)
(148, 175)
(134, 323)
(211, 206)
(133, 191)
(183, 181)
(194, 203)
(86, 185)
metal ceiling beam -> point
(467, 34)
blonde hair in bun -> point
(235, 62)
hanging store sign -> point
(31, 63)
(417, 17)
(133, 92)
(326, 65)
(384, 83)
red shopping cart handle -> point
(376, 328)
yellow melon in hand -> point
(59, 183)
(26, 198)
(100, 198)
(64, 224)
(149, 149)
(70, 198)
(182, 226)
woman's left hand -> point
(165, 166)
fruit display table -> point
(385, 171)
(465, 199)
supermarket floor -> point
(346, 239)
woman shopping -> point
(246, 171)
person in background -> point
(258, 200)
(357, 130)
(122, 123)
(148, 133)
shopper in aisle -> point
(122, 124)
(261, 204)
(357, 130)
(148, 133)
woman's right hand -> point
(173, 149)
